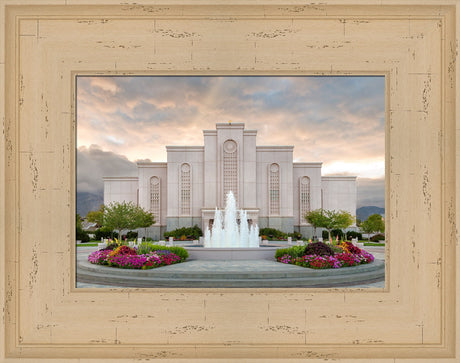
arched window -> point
(304, 195)
(155, 198)
(185, 189)
(274, 189)
(231, 168)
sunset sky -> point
(336, 120)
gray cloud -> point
(371, 192)
(94, 163)
(329, 119)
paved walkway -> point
(261, 273)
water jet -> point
(230, 240)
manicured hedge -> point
(353, 234)
(276, 234)
(103, 232)
(378, 237)
(194, 232)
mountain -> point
(87, 202)
(364, 212)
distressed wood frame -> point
(413, 43)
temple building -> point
(275, 191)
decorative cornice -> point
(150, 164)
(275, 148)
(312, 164)
(120, 178)
(339, 177)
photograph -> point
(230, 181)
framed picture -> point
(46, 46)
(291, 149)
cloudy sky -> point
(336, 120)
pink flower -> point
(344, 259)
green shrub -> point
(336, 249)
(147, 247)
(194, 232)
(337, 232)
(180, 251)
(103, 232)
(295, 235)
(294, 252)
(276, 234)
(318, 248)
(272, 233)
(81, 235)
(131, 234)
(334, 234)
(378, 237)
(281, 252)
(353, 234)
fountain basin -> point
(231, 254)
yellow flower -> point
(115, 251)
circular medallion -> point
(229, 146)
(185, 168)
(154, 180)
(305, 180)
(274, 168)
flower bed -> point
(343, 255)
(145, 257)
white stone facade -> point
(275, 191)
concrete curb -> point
(234, 274)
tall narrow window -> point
(274, 189)
(185, 192)
(304, 198)
(155, 198)
(231, 168)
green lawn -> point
(373, 244)
(88, 244)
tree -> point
(78, 221)
(144, 219)
(80, 234)
(316, 218)
(343, 219)
(119, 216)
(96, 216)
(330, 219)
(374, 223)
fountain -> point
(227, 240)
(230, 235)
